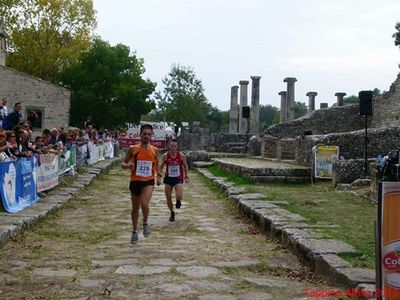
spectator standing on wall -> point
(15, 117)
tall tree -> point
(45, 36)
(183, 99)
(396, 35)
(217, 119)
(300, 109)
(354, 99)
(350, 99)
(107, 85)
(268, 114)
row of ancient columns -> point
(288, 101)
(238, 124)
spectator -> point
(32, 117)
(5, 109)
(14, 118)
(12, 147)
(62, 137)
(3, 146)
(88, 122)
(39, 146)
(46, 137)
(26, 148)
(54, 136)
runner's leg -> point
(168, 195)
(179, 194)
(135, 210)
(145, 197)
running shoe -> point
(172, 217)
(134, 237)
(146, 230)
(178, 204)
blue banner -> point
(18, 184)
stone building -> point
(50, 102)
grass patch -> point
(234, 178)
(320, 203)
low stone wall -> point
(254, 146)
(321, 121)
(229, 142)
(194, 141)
(351, 144)
(346, 171)
(269, 147)
(286, 148)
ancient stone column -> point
(323, 105)
(311, 100)
(290, 97)
(283, 114)
(243, 102)
(340, 97)
(3, 48)
(234, 110)
(255, 104)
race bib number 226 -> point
(143, 168)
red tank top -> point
(174, 166)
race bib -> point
(143, 168)
(174, 171)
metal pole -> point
(366, 148)
(247, 134)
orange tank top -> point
(145, 161)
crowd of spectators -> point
(19, 142)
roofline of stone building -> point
(35, 78)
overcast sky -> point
(328, 45)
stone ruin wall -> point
(341, 126)
(351, 144)
(321, 121)
(344, 118)
(387, 107)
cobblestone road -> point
(209, 252)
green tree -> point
(350, 100)
(396, 35)
(45, 36)
(107, 85)
(300, 109)
(268, 114)
(217, 119)
(183, 99)
(354, 99)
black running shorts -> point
(137, 186)
(172, 180)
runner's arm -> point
(185, 165)
(156, 166)
(162, 164)
(126, 164)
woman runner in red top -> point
(177, 171)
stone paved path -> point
(209, 252)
